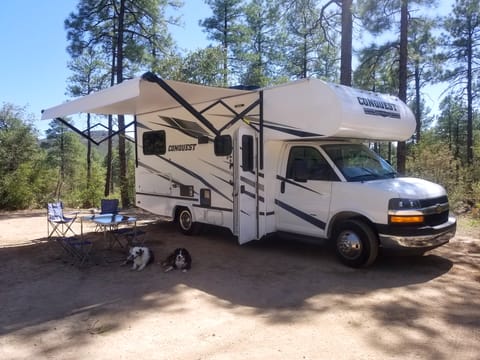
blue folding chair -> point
(109, 206)
(59, 227)
(57, 223)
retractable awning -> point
(139, 96)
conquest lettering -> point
(182, 147)
(376, 104)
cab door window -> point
(306, 163)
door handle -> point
(282, 187)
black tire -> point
(356, 244)
(185, 222)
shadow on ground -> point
(276, 278)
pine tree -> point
(224, 27)
(134, 33)
(462, 43)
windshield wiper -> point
(392, 174)
(363, 177)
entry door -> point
(245, 192)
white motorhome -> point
(285, 159)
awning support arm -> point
(240, 115)
(149, 76)
(89, 138)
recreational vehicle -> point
(284, 159)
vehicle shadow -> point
(280, 279)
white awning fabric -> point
(299, 109)
(139, 96)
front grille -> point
(436, 219)
(429, 209)
(433, 201)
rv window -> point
(247, 153)
(306, 163)
(223, 145)
(154, 142)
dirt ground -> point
(275, 299)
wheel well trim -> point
(176, 211)
(348, 215)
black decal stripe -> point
(251, 183)
(179, 130)
(216, 167)
(247, 181)
(168, 196)
(143, 126)
(294, 132)
(267, 214)
(157, 173)
(219, 178)
(304, 216)
(249, 194)
(281, 178)
(196, 176)
(212, 207)
(383, 113)
(252, 195)
(284, 129)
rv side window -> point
(306, 163)
(154, 142)
(247, 153)
(222, 145)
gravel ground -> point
(275, 299)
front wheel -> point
(185, 222)
(356, 243)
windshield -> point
(358, 163)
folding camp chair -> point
(108, 207)
(78, 248)
(60, 225)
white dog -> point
(141, 256)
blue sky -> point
(33, 61)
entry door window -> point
(247, 153)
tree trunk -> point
(225, 47)
(469, 94)
(89, 163)
(418, 109)
(402, 73)
(108, 175)
(305, 57)
(346, 46)
(121, 119)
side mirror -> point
(222, 145)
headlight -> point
(403, 204)
(405, 211)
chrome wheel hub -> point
(349, 245)
(185, 221)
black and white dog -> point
(141, 256)
(180, 259)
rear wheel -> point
(185, 222)
(356, 243)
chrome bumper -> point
(419, 240)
